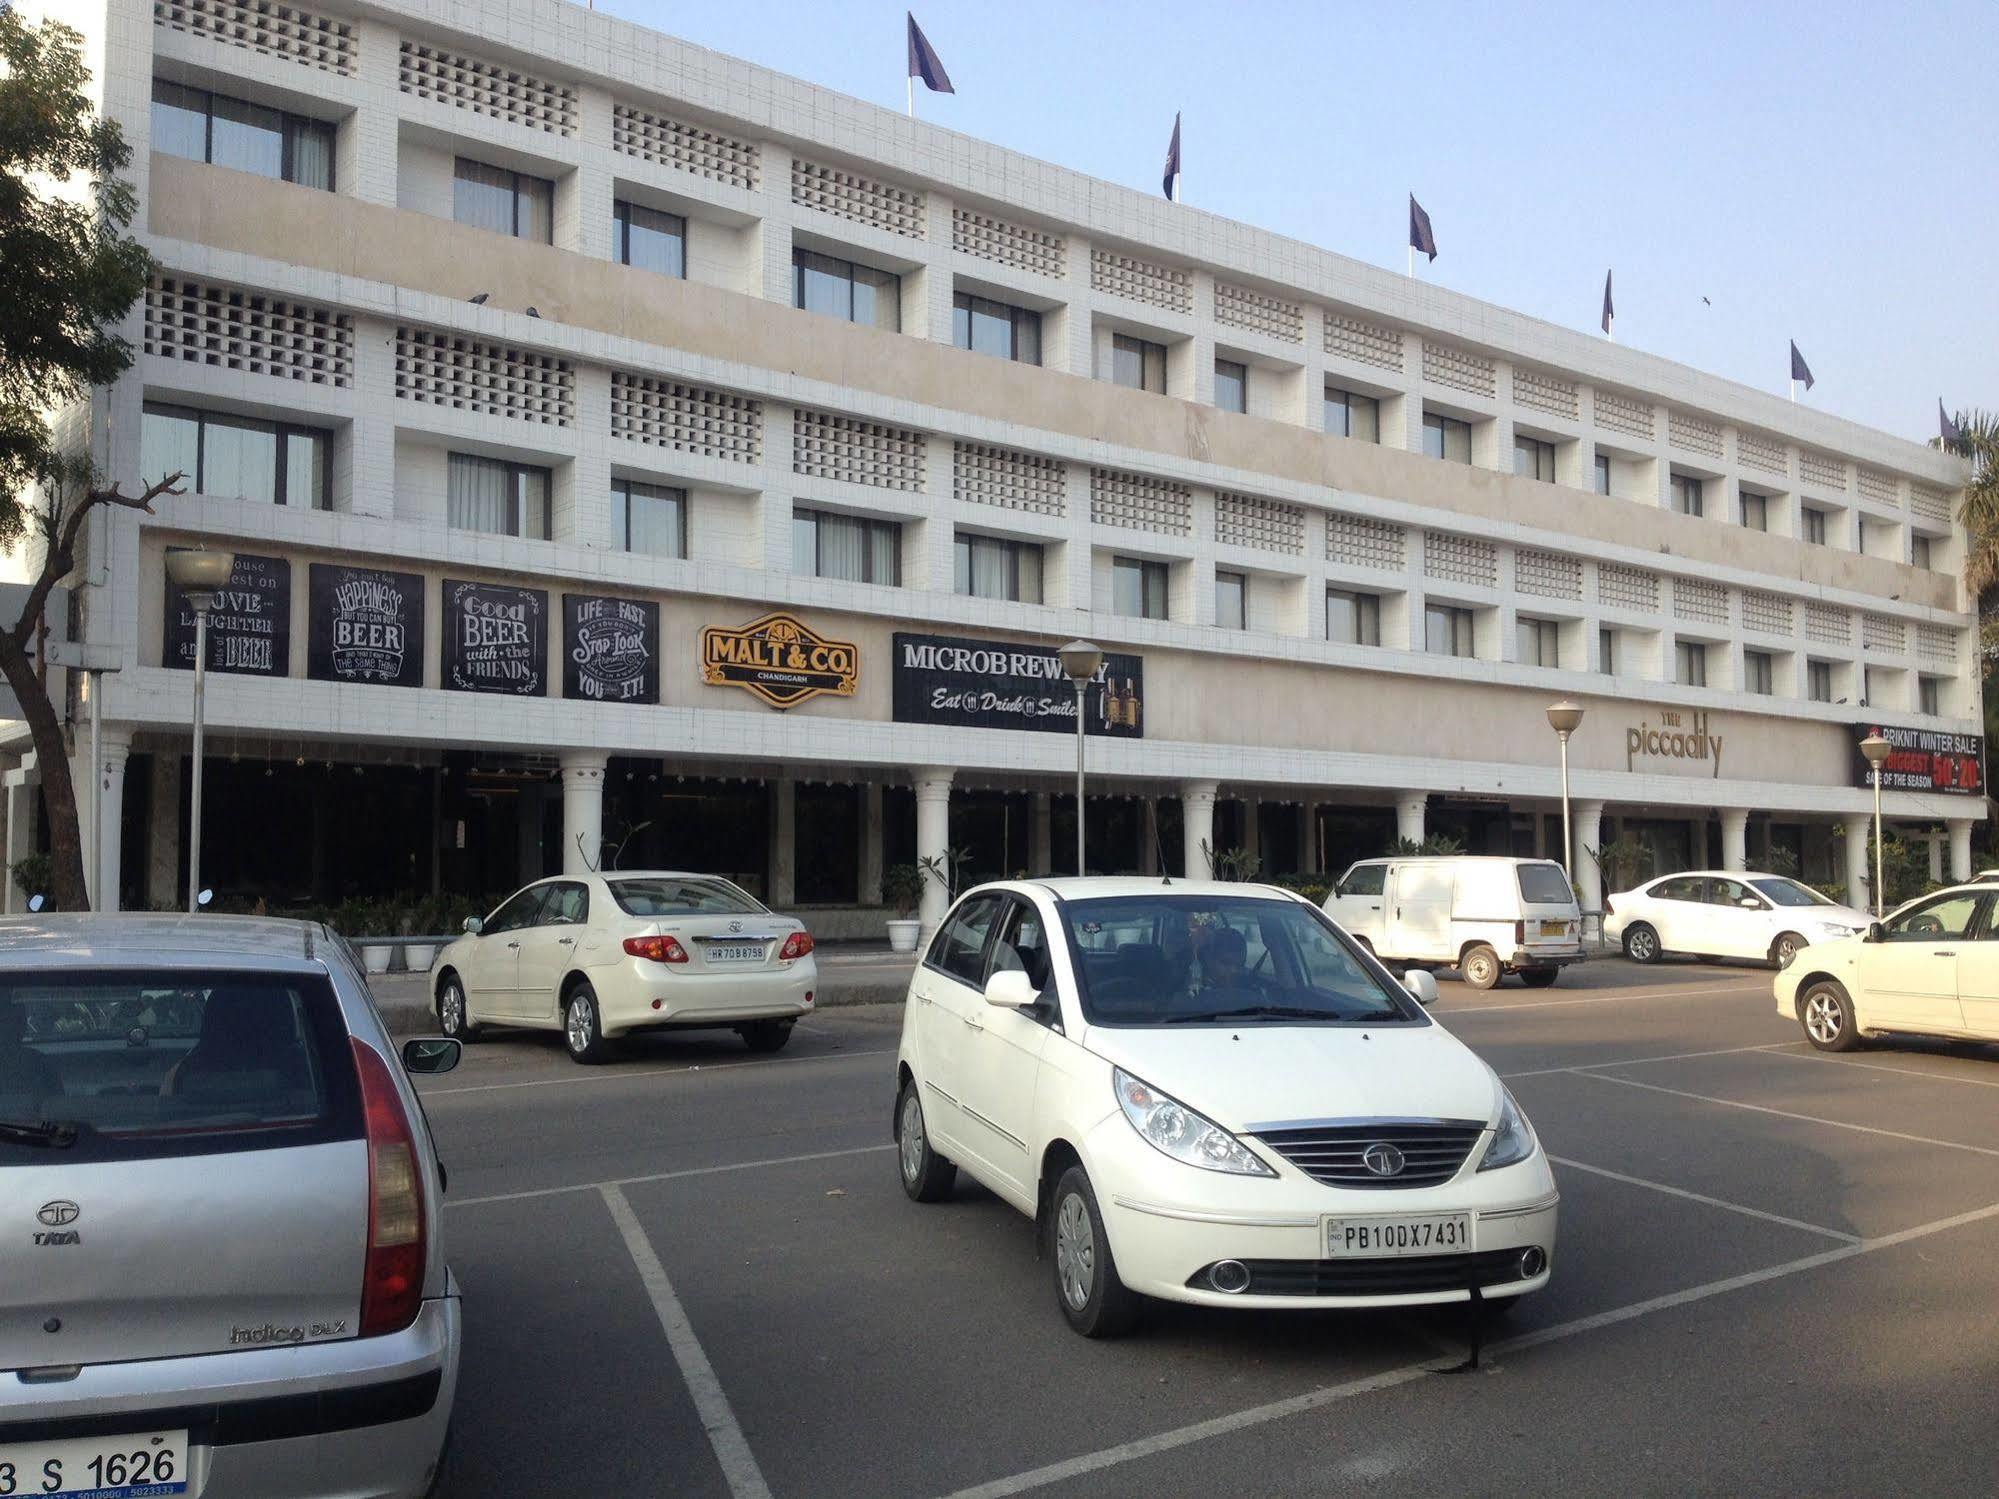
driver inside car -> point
(1224, 957)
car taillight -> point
(1519, 933)
(392, 1280)
(1608, 908)
(659, 949)
(797, 945)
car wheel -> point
(1641, 944)
(1096, 1303)
(1480, 967)
(926, 1175)
(453, 1018)
(583, 1026)
(1827, 1014)
(766, 1036)
(1539, 978)
(1785, 948)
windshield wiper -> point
(55, 1134)
(1256, 1012)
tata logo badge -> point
(58, 1214)
(735, 926)
(1383, 1159)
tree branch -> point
(61, 553)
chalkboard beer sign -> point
(364, 625)
(249, 625)
(610, 649)
(495, 639)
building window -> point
(854, 547)
(1866, 686)
(1446, 437)
(1353, 618)
(1602, 473)
(1351, 415)
(1919, 549)
(1860, 534)
(1231, 600)
(1759, 672)
(1755, 511)
(1231, 385)
(503, 201)
(995, 328)
(497, 497)
(1138, 588)
(1818, 681)
(1606, 651)
(1929, 696)
(842, 289)
(1814, 525)
(991, 568)
(1686, 495)
(1138, 365)
(648, 518)
(651, 240)
(201, 126)
(1447, 630)
(1534, 459)
(1690, 663)
(1540, 642)
(237, 457)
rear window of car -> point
(689, 897)
(138, 1065)
(1544, 885)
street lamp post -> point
(200, 574)
(1563, 718)
(1877, 750)
(1081, 661)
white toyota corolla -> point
(1208, 1093)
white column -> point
(1409, 815)
(1588, 820)
(1960, 848)
(933, 841)
(1197, 825)
(782, 886)
(1040, 832)
(1859, 866)
(871, 844)
(1148, 835)
(582, 811)
(117, 748)
(1734, 839)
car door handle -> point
(1377, 907)
(971, 1023)
(566, 941)
(515, 946)
(1948, 952)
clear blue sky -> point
(1822, 171)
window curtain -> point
(535, 210)
(239, 458)
(483, 197)
(990, 570)
(248, 137)
(531, 485)
(480, 496)
(843, 548)
(884, 552)
(312, 154)
(1028, 570)
(656, 521)
(170, 443)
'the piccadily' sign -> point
(780, 659)
(495, 639)
(1677, 736)
(364, 626)
(610, 649)
(995, 684)
(249, 625)
(1923, 760)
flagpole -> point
(1412, 260)
(1794, 390)
(909, 88)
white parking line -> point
(718, 1419)
(1757, 1108)
(1262, 1415)
(1675, 1056)
(1713, 1202)
(1785, 1050)
(1619, 998)
(618, 1075)
(665, 1176)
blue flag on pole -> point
(1947, 429)
(1609, 307)
(1172, 158)
(1799, 369)
(924, 62)
(1420, 237)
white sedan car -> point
(1931, 968)
(600, 956)
(1718, 913)
(1209, 1093)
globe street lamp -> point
(1081, 661)
(1877, 750)
(1563, 717)
(199, 574)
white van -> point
(1486, 916)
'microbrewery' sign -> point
(1923, 760)
(495, 639)
(249, 625)
(780, 659)
(996, 684)
(610, 649)
(364, 626)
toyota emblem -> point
(58, 1214)
(1382, 1159)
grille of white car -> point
(1338, 1154)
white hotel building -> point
(495, 336)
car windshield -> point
(1790, 893)
(1171, 959)
(125, 1066)
(1545, 885)
(682, 895)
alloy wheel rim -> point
(1642, 945)
(454, 1011)
(1823, 1017)
(1787, 949)
(1075, 1251)
(912, 1139)
(579, 1023)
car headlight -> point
(1512, 1141)
(1837, 929)
(1172, 1128)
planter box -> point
(375, 956)
(418, 956)
(902, 935)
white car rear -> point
(1485, 916)
(1722, 914)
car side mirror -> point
(1011, 989)
(474, 925)
(1750, 903)
(1875, 932)
(430, 1055)
(1422, 986)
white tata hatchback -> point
(1209, 1093)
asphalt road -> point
(693, 1272)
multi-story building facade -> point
(529, 360)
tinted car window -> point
(140, 1065)
(1022, 945)
(565, 905)
(1789, 892)
(1731, 893)
(516, 911)
(1365, 879)
(1544, 885)
(682, 897)
(1683, 887)
(1946, 916)
(960, 948)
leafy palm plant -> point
(1978, 512)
